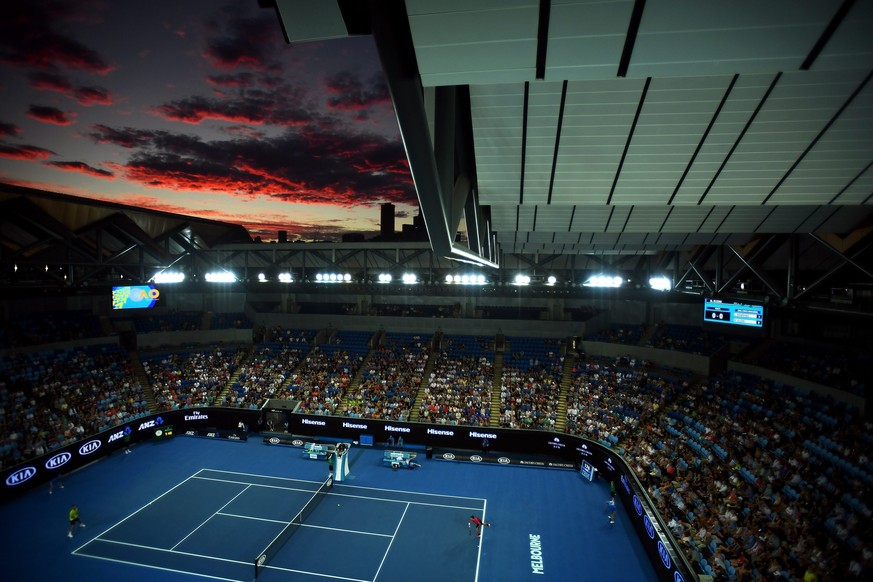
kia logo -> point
(665, 555)
(58, 460)
(20, 476)
(503, 460)
(677, 577)
(650, 529)
(275, 441)
(637, 505)
(475, 458)
(89, 447)
(449, 456)
(296, 442)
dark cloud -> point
(9, 130)
(24, 152)
(256, 107)
(321, 166)
(51, 115)
(30, 37)
(126, 137)
(232, 80)
(81, 167)
(88, 96)
(350, 93)
(243, 41)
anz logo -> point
(149, 424)
(665, 555)
(20, 476)
(58, 460)
(637, 505)
(89, 447)
(650, 529)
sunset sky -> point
(199, 107)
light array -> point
(603, 281)
(465, 279)
(220, 277)
(168, 277)
(333, 278)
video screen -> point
(134, 296)
(733, 312)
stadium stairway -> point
(355, 382)
(141, 377)
(566, 380)
(496, 385)
(244, 361)
(425, 375)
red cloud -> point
(51, 82)
(51, 115)
(24, 152)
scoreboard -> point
(731, 312)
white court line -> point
(162, 568)
(353, 531)
(482, 534)
(333, 493)
(137, 511)
(252, 518)
(306, 572)
(343, 484)
(166, 551)
(422, 503)
(254, 484)
(388, 549)
(259, 475)
(231, 500)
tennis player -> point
(477, 521)
(74, 519)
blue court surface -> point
(199, 509)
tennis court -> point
(217, 523)
(203, 509)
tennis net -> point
(267, 554)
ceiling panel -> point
(456, 45)
(686, 37)
(586, 38)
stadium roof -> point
(623, 127)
